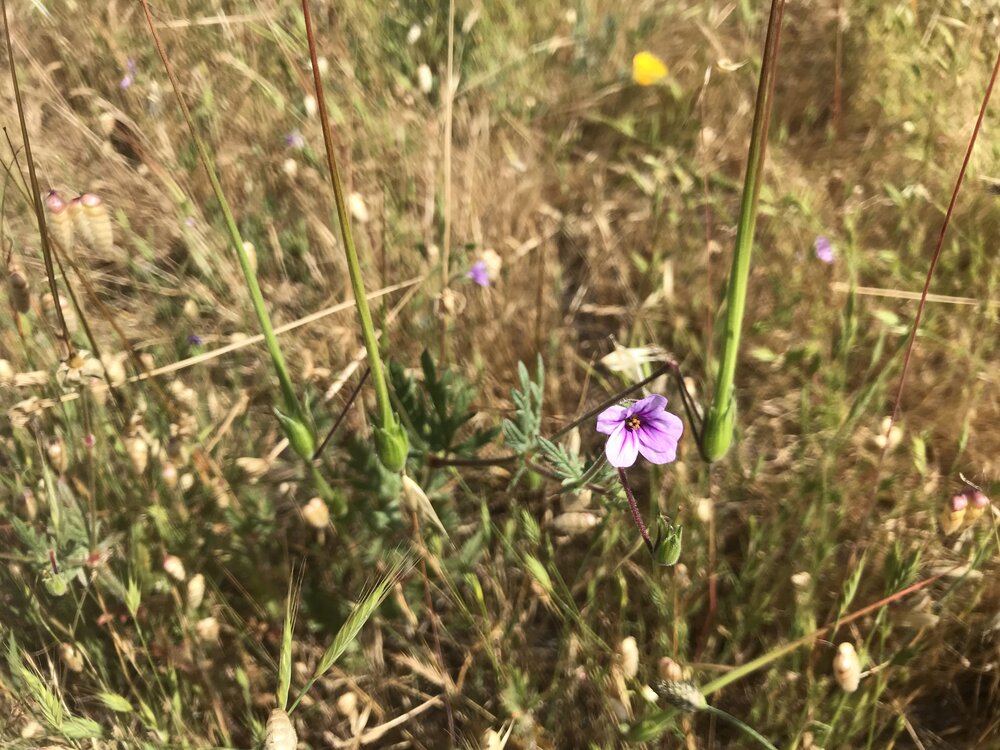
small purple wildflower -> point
(89, 440)
(295, 140)
(644, 427)
(194, 339)
(129, 78)
(479, 273)
(824, 250)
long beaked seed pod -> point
(17, 288)
(80, 223)
(97, 217)
(59, 219)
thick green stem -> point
(718, 433)
(256, 297)
(390, 437)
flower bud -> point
(847, 668)
(953, 513)
(392, 445)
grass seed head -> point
(71, 657)
(953, 513)
(847, 668)
(169, 475)
(174, 568)
(628, 656)
(95, 215)
(56, 452)
(195, 591)
(60, 222)
(316, 513)
(279, 733)
(207, 630)
(7, 373)
(138, 453)
(978, 503)
(18, 288)
(682, 695)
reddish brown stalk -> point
(636, 515)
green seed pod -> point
(392, 445)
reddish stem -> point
(634, 507)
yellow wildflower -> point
(648, 69)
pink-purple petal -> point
(654, 404)
(611, 418)
(622, 448)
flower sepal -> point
(667, 548)
(299, 436)
(392, 445)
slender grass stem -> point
(36, 193)
(390, 436)
(721, 419)
(745, 728)
(291, 402)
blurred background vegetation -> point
(150, 533)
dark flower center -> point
(632, 423)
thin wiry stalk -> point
(291, 402)
(721, 419)
(36, 193)
(449, 98)
(353, 263)
(352, 626)
(930, 271)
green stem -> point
(256, 297)
(718, 433)
(746, 729)
(390, 436)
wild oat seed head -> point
(138, 453)
(96, 215)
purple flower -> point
(129, 78)
(194, 339)
(644, 427)
(824, 250)
(479, 273)
(295, 140)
